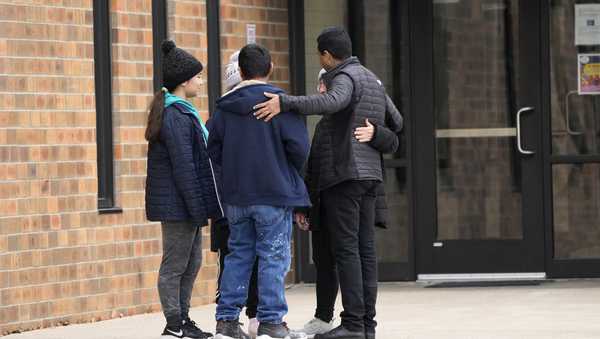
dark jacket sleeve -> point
(337, 97)
(295, 138)
(393, 118)
(178, 133)
(381, 207)
(215, 138)
(385, 139)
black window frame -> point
(213, 32)
(159, 34)
(104, 107)
(298, 87)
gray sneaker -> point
(317, 326)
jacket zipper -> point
(212, 171)
(215, 184)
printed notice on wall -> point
(250, 33)
(587, 24)
(589, 73)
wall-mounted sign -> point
(250, 33)
(588, 69)
(587, 24)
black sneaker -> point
(230, 329)
(171, 331)
(191, 330)
(341, 332)
(370, 334)
(273, 331)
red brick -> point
(49, 216)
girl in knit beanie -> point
(181, 191)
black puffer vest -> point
(339, 156)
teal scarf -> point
(171, 99)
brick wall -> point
(48, 173)
(60, 261)
(271, 20)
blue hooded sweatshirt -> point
(260, 161)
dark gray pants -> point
(181, 261)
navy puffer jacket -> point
(180, 185)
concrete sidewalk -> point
(561, 310)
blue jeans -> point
(264, 232)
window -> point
(103, 85)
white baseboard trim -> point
(481, 277)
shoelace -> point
(193, 324)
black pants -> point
(327, 279)
(252, 301)
(349, 211)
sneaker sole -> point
(265, 336)
(311, 336)
(221, 336)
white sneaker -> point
(317, 326)
(253, 328)
(298, 335)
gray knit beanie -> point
(232, 72)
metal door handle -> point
(519, 146)
(568, 114)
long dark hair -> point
(155, 117)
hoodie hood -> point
(242, 99)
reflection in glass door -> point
(478, 171)
(383, 41)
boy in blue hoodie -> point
(260, 168)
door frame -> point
(422, 80)
(557, 268)
(419, 210)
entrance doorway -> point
(478, 137)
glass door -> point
(479, 182)
(574, 140)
